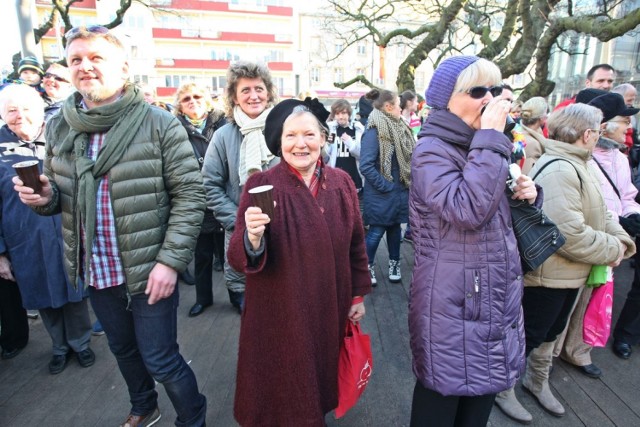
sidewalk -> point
(97, 396)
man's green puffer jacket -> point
(156, 194)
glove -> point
(631, 224)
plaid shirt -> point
(106, 266)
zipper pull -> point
(476, 282)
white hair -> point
(21, 94)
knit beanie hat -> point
(444, 80)
(30, 63)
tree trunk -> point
(25, 10)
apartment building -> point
(175, 41)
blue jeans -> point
(374, 235)
(143, 338)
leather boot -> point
(509, 404)
(536, 378)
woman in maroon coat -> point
(306, 274)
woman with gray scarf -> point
(238, 150)
(385, 162)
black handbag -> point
(538, 237)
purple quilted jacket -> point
(465, 315)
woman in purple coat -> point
(465, 315)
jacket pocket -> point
(472, 293)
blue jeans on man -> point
(143, 339)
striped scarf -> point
(394, 136)
(314, 185)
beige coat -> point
(533, 149)
(573, 200)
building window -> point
(338, 75)
(314, 74)
(338, 48)
(279, 82)
(362, 48)
(400, 51)
(141, 79)
(360, 71)
(274, 56)
(218, 83)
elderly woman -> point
(533, 119)
(237, 151)
(465, 319)
(297, 304)
(24, 122)
(26, 236)
(573, 200)
(614, 176)
(195, 110)
(57, 85)
(385, 162)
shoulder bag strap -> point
(606, 175)
(556, 160)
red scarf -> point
(314, 185)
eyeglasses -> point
(479, 92)
(95, 29)
(55, 77)
(598, 131)
(188, 98)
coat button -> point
(469, 295)
(519, 277)
(513, 326)
(322, 210)
(324, 186)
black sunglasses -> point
(55, 77)
(96, 29)
(188, 98)
(479, 92)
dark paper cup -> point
(29, 174)
(262, 197)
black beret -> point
(586, 95)
(612, 105)
(277, 116)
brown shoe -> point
(142, 420)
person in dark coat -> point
(195, 110)
(465, 315)
(26, 236)
(306, 271)
(385, 162)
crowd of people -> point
(133, 190)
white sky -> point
(10, 37)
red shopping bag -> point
(596, 326)
(354, 367)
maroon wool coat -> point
(297, 298)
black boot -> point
(237, 300)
